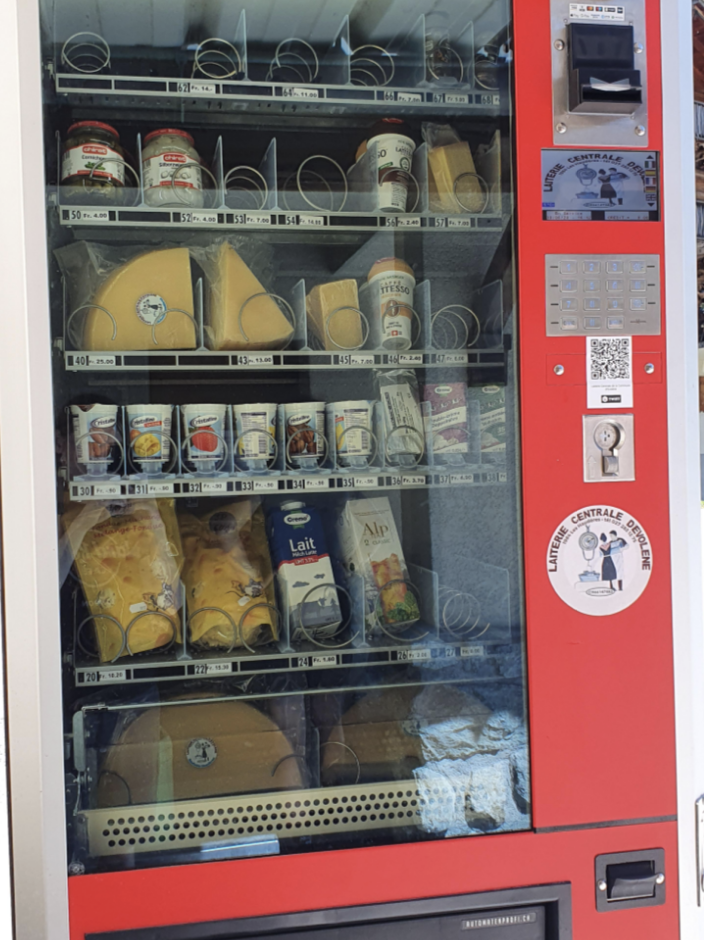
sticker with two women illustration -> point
(599, 560)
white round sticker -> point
(151, 309)
(599, 560)
(201, 752)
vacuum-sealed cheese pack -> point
(227, 568)
(123, 299)
(128, 558)
(196, 750)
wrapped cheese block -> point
(334, 317)
(128, 558)
(454, 186)
(227, 567)
(150, 299)
(193, 751)
(234, 319)
(388, 733)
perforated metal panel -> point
(187, 823)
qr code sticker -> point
(610, 358)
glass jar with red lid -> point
(171, 169)
(92, 164)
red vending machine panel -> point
(348, 665)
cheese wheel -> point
(138, 295)
(344, 329)
(234, 320)
(193, 751)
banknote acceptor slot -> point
(602, 76)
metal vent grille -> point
(164, 826)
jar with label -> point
(92, 164)
(171, 169)
(390, 139)
(387, 299)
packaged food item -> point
(371, 549)
(95, 436)
(492, 421)
(306, 446)
(149, 428)
(304, 571)
(227, 567)
(350, 424)
(92, 164)
(402, 417)
(255, 434)
(128, 557)
(449, 425)
(204, 433)
(453, 181)
(334, 316)
(171, 169)
(182, 751)
(391, 139)
(146, 303)
(241, 314)
(388, 733)
(388, 298)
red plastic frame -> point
(600, 689)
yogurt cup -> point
(255, 436)
(393, 150)
(388, 298)
(350, 424)
(95, 436)
(204, 436)
(149, 433)
(304, 433)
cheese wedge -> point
(235, 321)
(138, 295)
(344, 329)
(447, 164)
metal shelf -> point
(306, 360)
(173, 667)
(143, 216)
(85, 490)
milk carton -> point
(304, 571)
(371, 549)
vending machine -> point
(347, 565)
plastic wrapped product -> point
(128, 558)
(452, 178)
(227, 567)
(142, 303)
(402, 417)
(334, 317)
(195, 751)
(448, 420)
(371, 548)
(240, 313)
(492, 421)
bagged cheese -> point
(128, 558)
(227, 567)
(334, 317)
(122, 300)
(452, 177)
(240, 313)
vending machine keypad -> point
(602, 293)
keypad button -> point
(591, 267)
(592, 287)
(615, 323)
(614, 286)
(637, 303)
(592, 303)
(568, 287)
(614, 267)
(636, 267)
(592, 323)
(569, 303)
(638, 285)
(569, 267)
(569, 323)
(614, 303)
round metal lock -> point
(649, 368)
(559, 370)
(640, 130)
(561, 128)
